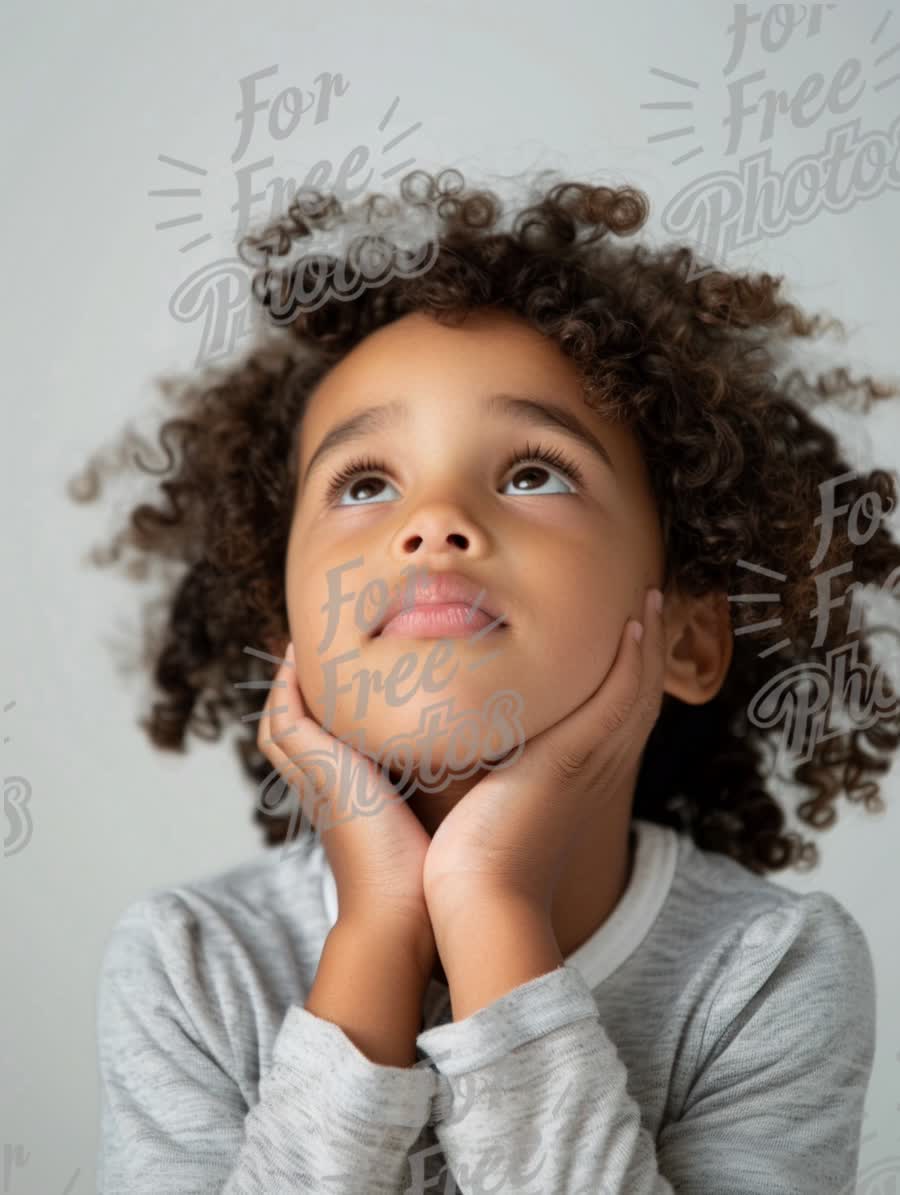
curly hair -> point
(683, 352)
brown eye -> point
(528, 473)
(530, 479)
(357, 471)
(363, 489)
(531, 476)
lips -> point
(440, 594)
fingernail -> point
(656, 600)
(289, 654)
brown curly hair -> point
(686, 359)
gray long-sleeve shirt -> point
(715, 1035)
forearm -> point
(490, 945)
(371, 981)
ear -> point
(699, 645)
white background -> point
(92, 95)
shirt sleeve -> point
(173, 1118)
(533, 1093)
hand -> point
(511, 833)
(377, 851)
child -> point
(522, 939)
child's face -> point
(563, 567)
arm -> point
(371, 982)
(173, 1119)
(535, 1092)
(490, 945)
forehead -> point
(445, 375)
(421, 361)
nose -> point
(438, 530)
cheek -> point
(577, 634)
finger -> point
(264, 741)
(288, 709)
(264, 729)
(277, 687)
(295, 744)
(635, 672)
(334, 780)
(568, 744)
(614, 701)
(652, 655)
(622, 684)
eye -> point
(550, 456)
(362, 466)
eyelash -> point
(549, 456)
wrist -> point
(452, 905)
(486, 915)
(491, 943)
(402, 938)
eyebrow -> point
(526, 409)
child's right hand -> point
(377, 859)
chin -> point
(432, 744)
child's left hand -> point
(511, 833)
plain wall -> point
(93, 94)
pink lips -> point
(442, 605)
(443, 621)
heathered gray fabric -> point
(715, 1035)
